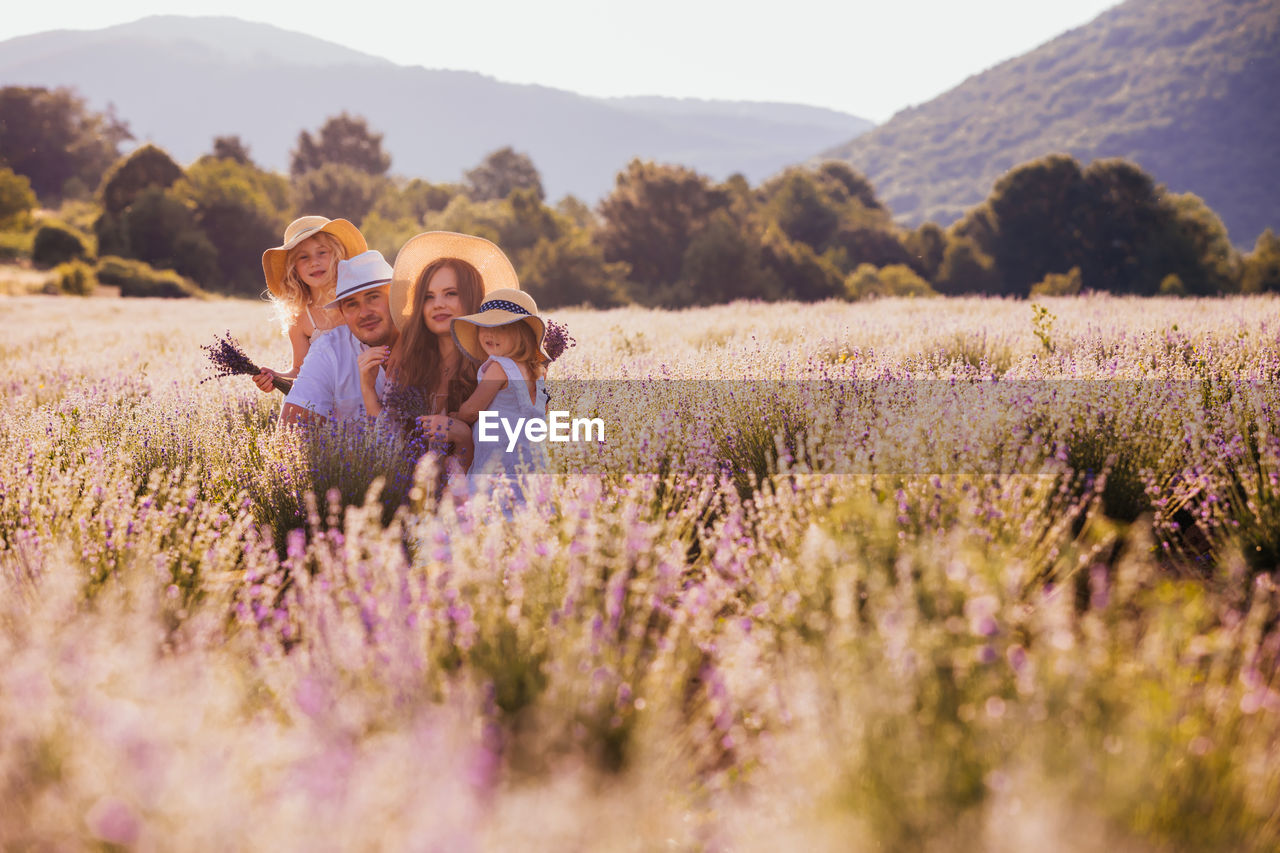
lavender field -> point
(959, 575)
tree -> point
(1120, 228)
(724, 262)
(56, 141)
(501, 173)
(162, 231)
(925, 247)
(652, 216)
(530, 221)
(878, 246)
(1262, 266)
(344, 140)
(16, 200)
(803, 274)
(232, 148)
(1040, 210)
(843, 184)
(802, 209)
(571, 270)
(414, 200)
(966, 269)
(336, 190)
(1197, 248)
(239, 210)
(147, 166)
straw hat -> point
(500, 308)
(420, 252)
(365, 271)
(275, 261)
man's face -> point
(368, 316)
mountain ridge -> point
(1181, 87)
(181, 98)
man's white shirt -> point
(328, 382)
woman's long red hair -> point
(416, 362)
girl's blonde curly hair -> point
(294, 294)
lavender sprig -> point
(404, 403)
(557, 339)
(229, 359)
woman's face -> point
(312, 262)
(443, 301)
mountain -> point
(1184, 88)
(181, 81)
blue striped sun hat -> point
(500, 308)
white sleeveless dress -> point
(492, 464)
(316, 331)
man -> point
(328, 383)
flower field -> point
(971, 574)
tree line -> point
(665, 235)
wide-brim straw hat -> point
(496, 271)
(500, 308)
(275, 262)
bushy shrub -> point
(76, 278)
(1058, 284)
(134, 278)
(866, 282)
(1171, 285)
(16, 200)
(56, 243)
(14, 245)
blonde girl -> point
(301, 274)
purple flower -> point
(229, 359)
(557, 339)
(111, 820)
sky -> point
(870, 59)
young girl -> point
(506, 336)
(301, 274)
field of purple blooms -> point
(971, 574)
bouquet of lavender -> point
(557, 339)
(230, 360)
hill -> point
(181, 81)
(1185, 88)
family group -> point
(428, 344)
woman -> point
(438, 276)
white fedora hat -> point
(365, 271)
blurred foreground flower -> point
(230, 360)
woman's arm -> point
(492, 380)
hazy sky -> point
(867, 58)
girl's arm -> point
(492, 380)
(301, 345)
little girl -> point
(301, 274)
(506, 336)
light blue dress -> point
(493, 465)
